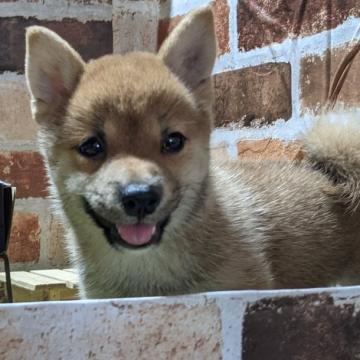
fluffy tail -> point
(333, 146)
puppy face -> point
(135, 140)
(126, 137)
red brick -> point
(312, 327)
(165, 28)
(263, 22)
(24, 245)
(221, 11)
(221, 14)
(317, 72)
(220, 152)
(16, 122)
(25, 170)
(253, 96)
(56, 244)
(69, 2)
(270, 149)
(92, 39)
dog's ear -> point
(190, 49)
(53, 69)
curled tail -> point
(333, 147)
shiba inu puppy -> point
(148, 212)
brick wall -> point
(275, 65)
(36, 240)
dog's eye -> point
(91, 147)
(173, 143)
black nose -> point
(140, 199)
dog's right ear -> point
(190, 49)
(53, 69)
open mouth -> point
(134, 236)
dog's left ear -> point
(190, 49)
(53, 69)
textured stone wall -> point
(263, 325)
(275, 65)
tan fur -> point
(241, 225)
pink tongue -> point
(138, 234)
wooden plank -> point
(44, 294)
(69, 294)
(25, 295)
(70, 270)
(31, 281)
(70, 278)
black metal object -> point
(7, 199)
(8, 277)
